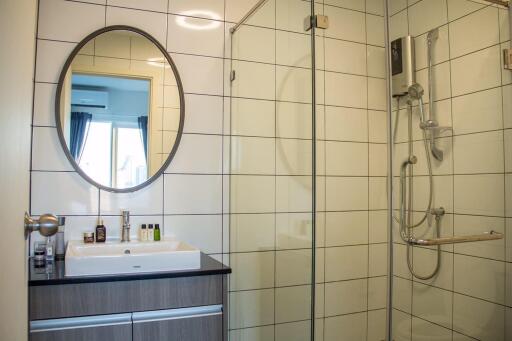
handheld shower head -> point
(416, 91)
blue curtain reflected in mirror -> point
(143, 127)
(79, 127)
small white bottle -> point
(143, 233)
(151, 233)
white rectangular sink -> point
(130, 257)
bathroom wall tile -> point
(378, 256)
(290, 15)
(293, 120)
(254, 80)
(252, 194)
(200, 75)
(441, 74)
(470, 148)
(62, 193)
(470, 189)
(376, 325)
(474, 32)
(51, 55)
(354, 60)
(201, 231)
(236, 9)
(192, 194)
(378, 230)
(55, 14)
(374, 31)
(425, 261)
(47, 151)
(427, 15)
(346, 327)
(460, 8)
(293, 194)
(377, 292)
(203, 114)
(292, 49)
(354, 94)
(252, 155)
(251, 308)
(300, 330)
(440, 52)
(44, 104)
(152, 22)
(252, 334)
(198, 154)
(485, 280)
(345, 24)
(338, 186)
(252, 232)
(378, 159)
(432, 304)
(255, 270)
(345, 297)
(293, 303)
(198, 8)
(293, 84)
(375, 7)
(398, 25)
(294, 231)
(293, 157)
(151, 5)
(346, 124)
(376, 59)
(346, 158)
(347, 262)
(477, 318)
(253, 44)
(293, 267)
(421, 327)
(346, 228)
(402, 294)
(487, 62)
(377, 193)
(185, 32)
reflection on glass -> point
(119, 109)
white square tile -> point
(252, 194)
(70, 194)
(255, 270)
(345, 24)
(198, 154)
(376, 325)
(57, 14)
(152, 22)
(251, 308)
(293, 267)
(374, 30)
(345, 90)
(252, 117)
(51, 56)
(346, 228)
(292, 49)
(346, 327)
(485, 280)
(459, 8)
(203, 114)
(346, 124)
(478, 318)
(252, 155)
(353, 60)
(375, 6)
(265, 16)
(192, 194)
(377, 193)
(378, 230)
(290, 15)
(337, 189)
(293, 303)
(426, 15)
(293, 194)
(150, 5)
(253, 80)
(201, 231)
(252, 232)
(200, 75)
(470, 189)
(377, 94)
(294, 230)
(378, 260)
(346, 262)
(377, 292)
(346, 158)
(254, 44)
(432, 304)
(293, 157)
(474, 32)
(422, 327)
(376, 57)
(294, 120)
(44, 104)
(345, 297)
(252, 334)
(402, 294)
(486, 63)
(195, 36)
(47, 152)
(293, 84)
(398, 24)
(478, 153)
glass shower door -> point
(271, 173)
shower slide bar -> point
(247, 16)
(491, 235)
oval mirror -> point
(119, 108)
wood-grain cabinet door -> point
(187, 324)
(117, 327)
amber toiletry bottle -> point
(101, 232)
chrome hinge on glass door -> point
(317, 21)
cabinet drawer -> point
(95, 328)
(189, 324)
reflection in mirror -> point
(119, 109)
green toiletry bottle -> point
(157, 232)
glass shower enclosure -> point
(369, 197)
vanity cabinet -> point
(185, 306)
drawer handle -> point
(172, 314)
(80, 322)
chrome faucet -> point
(125, 233)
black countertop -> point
(53, 275)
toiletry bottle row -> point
(148, 233)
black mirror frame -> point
(59, 123)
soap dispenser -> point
(101, 232)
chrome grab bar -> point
(491, 235)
